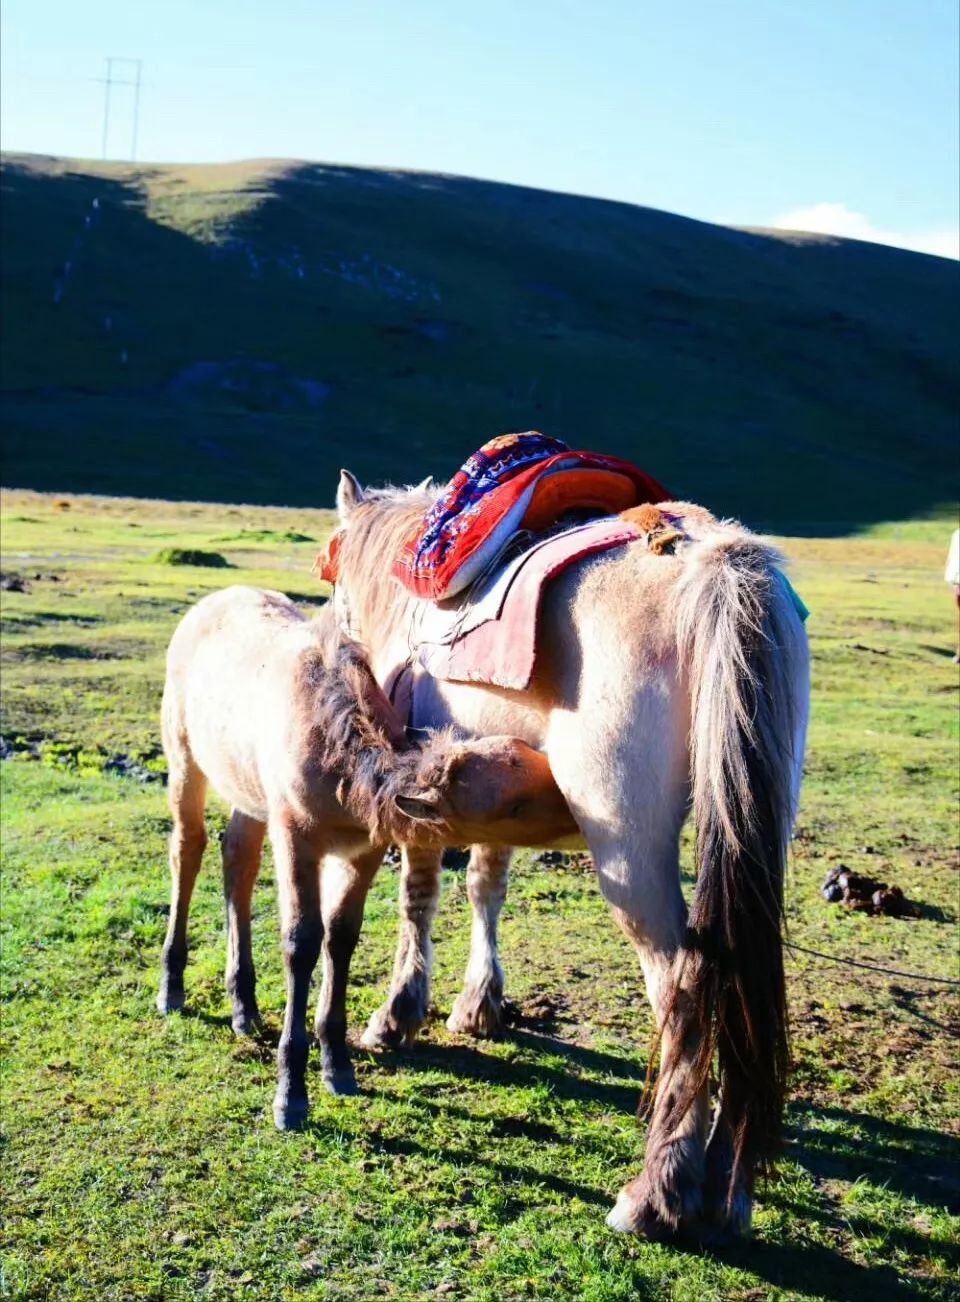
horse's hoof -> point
(170, 1001)
(630, 1216)
(340, 1080)
(666, 1200)
(245, 1024)
(385, 1032)
(624, 1216)
(478, 1013)
(729, 1220)
(290, 1114)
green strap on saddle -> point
(799, 605)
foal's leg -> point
(241, 848)
(405, 1011)
(479, 1008)
(301, 931)
(186, 792)
(344, 893)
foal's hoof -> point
(170, 1000)
(290, 1114)
(478, 1013)
(340, 1080)
(384, 1031)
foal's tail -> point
(744, 654)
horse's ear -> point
(424, 484)
(422, 808)
(349, 494)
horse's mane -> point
(359, 740)
(379, 526)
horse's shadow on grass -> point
(511, 1173)
(911, 1161)
(813, 1270)
(917, 1163)
(467, 1062)
(830, 1143)
(908, 1001)
(946, 651)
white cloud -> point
(838, 219)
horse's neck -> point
(392, 643)
(390, 619)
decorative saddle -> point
(515, 484)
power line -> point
(108, 83)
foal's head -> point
(495, 790)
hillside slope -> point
(238, 332)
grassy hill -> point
(238, 332)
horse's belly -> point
(474, 711)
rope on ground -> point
(872, 967)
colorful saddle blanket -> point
(517, 482)
(494, 637)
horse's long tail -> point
(744, 654)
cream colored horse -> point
(663, 681)
(283, 717)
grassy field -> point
(241, 330)
(139, 1155)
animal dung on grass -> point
(864, 894)
(191, 556)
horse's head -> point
(491, 790)
(351, 494)
(373, 524)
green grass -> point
(140, 1159)
(240, 331)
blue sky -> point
(825, 114)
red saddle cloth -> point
(494, 639)
(517, 482)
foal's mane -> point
(359, 740)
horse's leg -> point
(728, 1210)
(186, 793)
(405, 1011)
(630, 796)
(344, 893)
(301, 931)
(241, 849)
(479, 1007)
(668, 1195)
